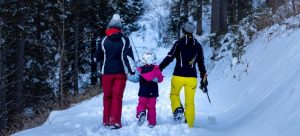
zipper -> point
(181, 60)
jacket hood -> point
(149, 72)
(113, 35)
(111, 31)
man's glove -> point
(204, 83)
(134, 78)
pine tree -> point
(13, 14)
(40, 67)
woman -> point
(187, 52)
(113, 53)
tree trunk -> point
(223, 16)
(294, 7)
(93, 56)
(62, 54)
(76, 72)
(19, 91)
(186, 8)
(218, 22)
(219, 16)
(199, 17)
(179, 16)
(3, 112)
(215, 19)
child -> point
(149, 75)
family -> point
(114, 53)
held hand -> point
(155, 80)
(133, 78)
(139, 63)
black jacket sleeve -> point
(200, 62)
(129, 52)
(129, 57)
(170, 57)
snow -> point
(257, 97)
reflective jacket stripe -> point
(122, 56)
(104, 52)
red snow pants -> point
(149, 104)
(113, 88)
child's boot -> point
(142, 117)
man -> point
(113, 53)
(187, 52)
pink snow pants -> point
(113, 87)
(149, 104)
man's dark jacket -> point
(114, 53)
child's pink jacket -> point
(155, 73)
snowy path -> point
(85, 119)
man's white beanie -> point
(189, 27)
(116, 21)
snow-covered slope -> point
(259, 97)
(264, 99)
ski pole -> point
(135, 49)
(206, 91)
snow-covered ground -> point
(259, 97)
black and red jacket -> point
(114, 53)
(188, 53)
(149, 88)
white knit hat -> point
(116, 21)
(189, 27)
(149, 57)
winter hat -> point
(189, 27)
(116, 21)
(149, 57)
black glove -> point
(204, 83)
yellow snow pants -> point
(189, 84)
